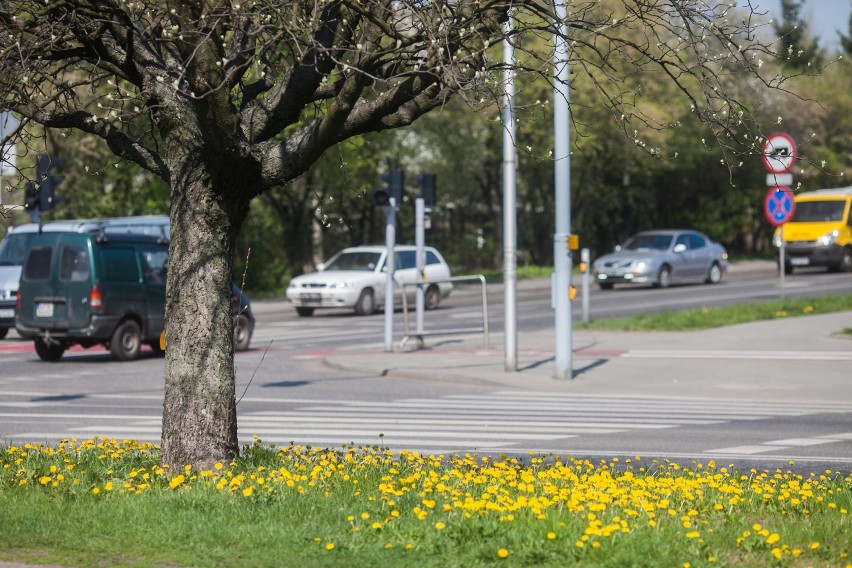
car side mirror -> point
(680, 247)
(617, 248)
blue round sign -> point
(779, 205)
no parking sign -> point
(779, 205)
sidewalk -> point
(805, 358)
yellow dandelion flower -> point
(551, 535)
(692, 534)
(814, 545)
(44, 480)
(365, 516)
(329, 546)
(773, 538)
(377, 526)
(502, 553)
(248, 491)
(96, 490)
(409, 546)
(440, 526)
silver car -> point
(662, 258)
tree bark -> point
(199, 408)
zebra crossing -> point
(500, 421)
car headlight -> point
(828, 238)
(340, 285)
(640, 265)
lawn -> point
(107, 502)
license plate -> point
(312, 298)
(44, 310)
(7, 314)
(799, 261)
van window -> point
(74, 264)
(154, 262)
(818, 211)
(119, 265)
(432, 258)
(37, 268)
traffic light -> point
(30, 196)
(392, 183)
(427, 183)
(46, 181)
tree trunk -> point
(208, 206)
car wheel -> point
(788, 268)
(366, 303)
(664, 278)
(48, 351)
(126, 341)
(845, 264)
(433, 297)
(242, 332)
(3, 332)
(605, 285)
(305, 312)
(714, 276)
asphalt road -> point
(288, 394)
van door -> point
(74, 276)
(154, 262)
(121, 283)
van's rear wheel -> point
(49, 351)
(304, 312)
(3, 332)
(126, 341)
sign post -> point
(779, 155)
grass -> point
(109, 503)
(707, 317)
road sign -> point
(779, 205)
(779, 153)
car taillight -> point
(18, 300)
(95, 298)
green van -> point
(91, 288)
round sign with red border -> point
(779, 153)
(779, 205)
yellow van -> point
(820, 232)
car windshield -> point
(366, 261)
(648, 242)
(818, 211)
(13, 249)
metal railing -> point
(420, 334)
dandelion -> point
(502, 553)
(329, 546)
(692, 534)
(551, 535)
(440, 526)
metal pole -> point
(510, 334)
(782, 262)
(390, 238)
(561, 147)
(585, 257)
(420, 244)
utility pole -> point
(562, 153)
(510, 253)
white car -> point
(356, 278)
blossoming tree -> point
(224, 99)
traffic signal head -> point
(30, 196)
(46, 181)
(427, 183)
(392, 184)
